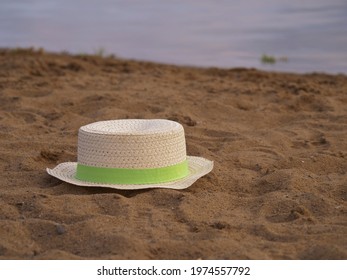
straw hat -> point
(132, 154)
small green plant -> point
(268, 59)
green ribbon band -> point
(129, 176)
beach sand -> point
(278, 142)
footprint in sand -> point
(286, 211)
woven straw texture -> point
(198, 167)
(131, 144)
(138, 144)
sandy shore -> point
(279, 143)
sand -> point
(278, 140)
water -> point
(311, 34)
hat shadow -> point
(58, 187)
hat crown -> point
(132, 143)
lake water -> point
(310, 34)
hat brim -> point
(197, 166)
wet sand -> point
(279, 143)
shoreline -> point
(103, 54)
